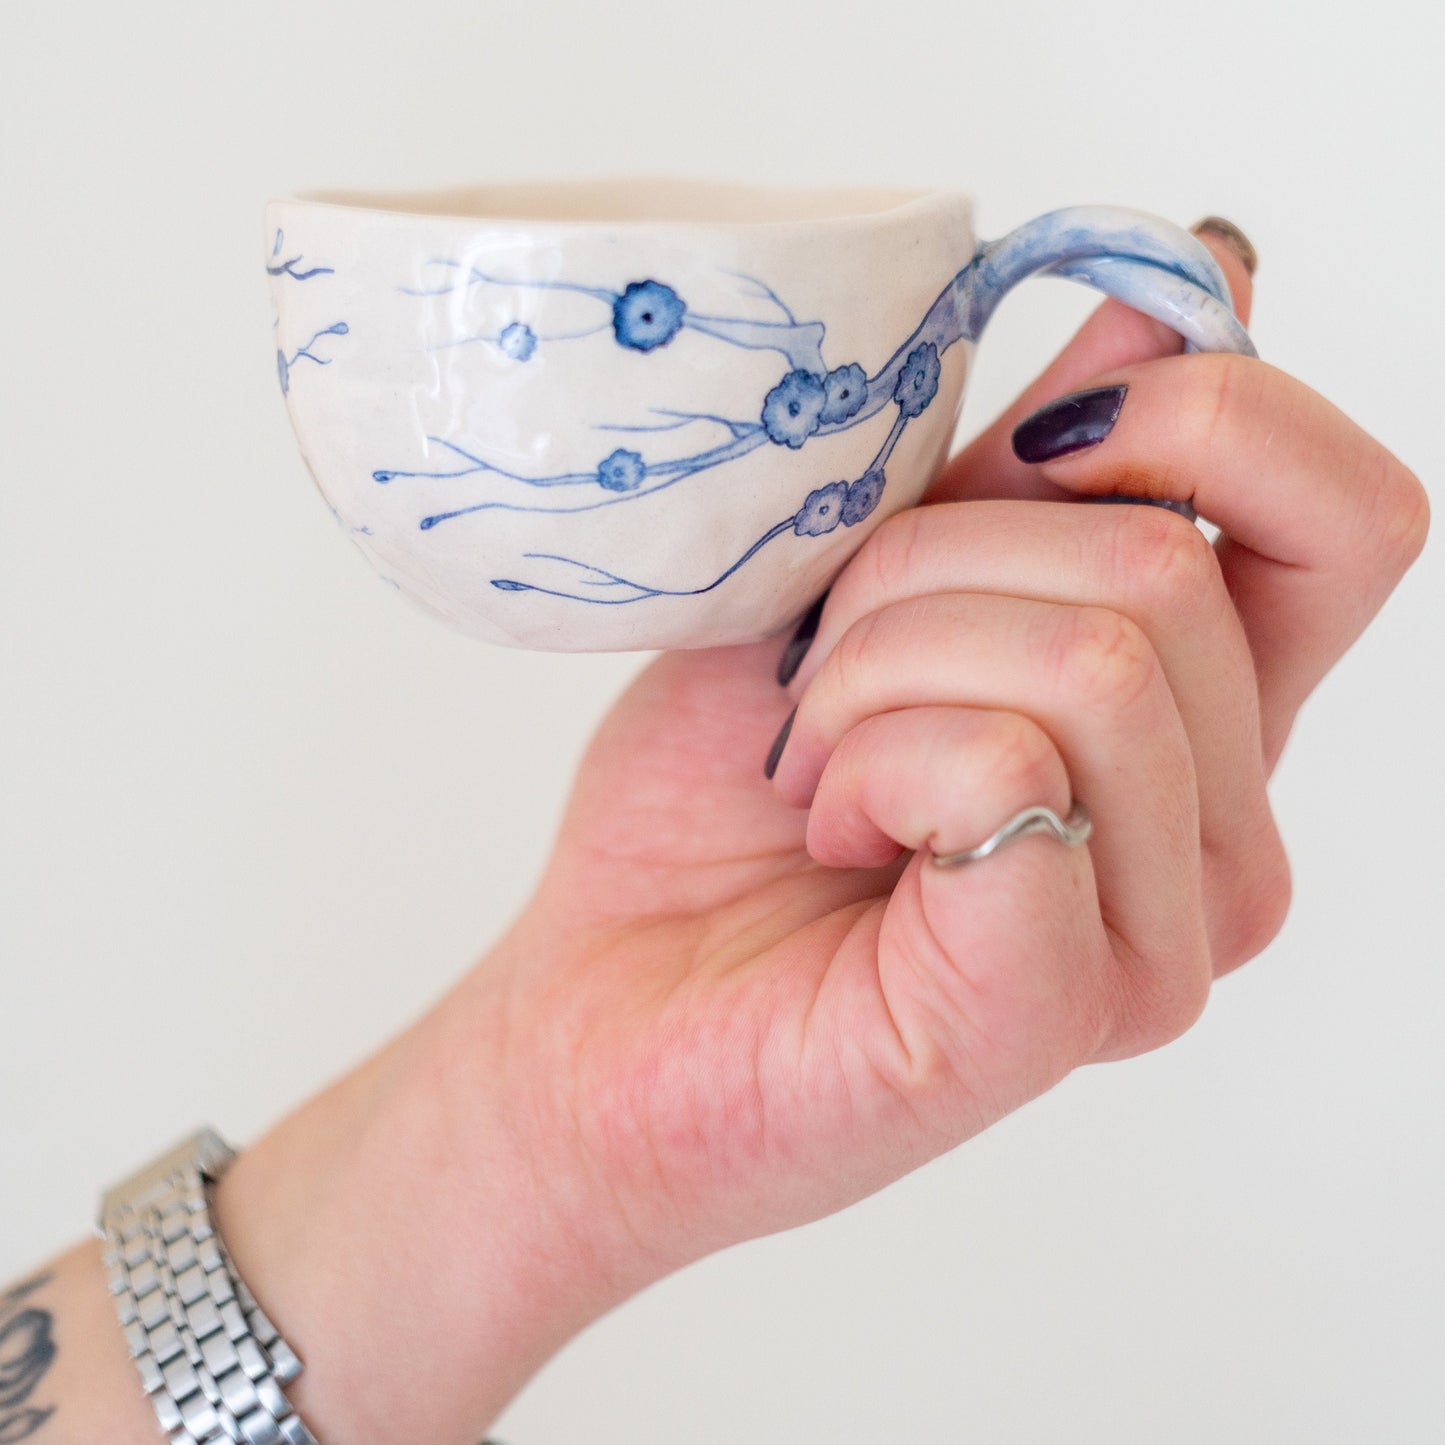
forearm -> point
(422, 1240)
(65, 1375)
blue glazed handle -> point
(1147, 263)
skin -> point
(735, 1005)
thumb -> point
(1114, 336)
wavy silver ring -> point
(1070, 831)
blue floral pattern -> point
(623, 471)
(647, 315)
(918, 381)
(518, 340)
(863, 496)
(844, 391)
(821, 511)
(810, 398)
(793, 409)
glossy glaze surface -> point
(619, 433)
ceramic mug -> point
(647, 414)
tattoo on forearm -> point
(26, 1353)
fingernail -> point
(1081, 419)
(1185, 509)
(779, 743)
(801, 641)
(1232, 237)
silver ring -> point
(1070, 831)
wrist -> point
(422, 1233)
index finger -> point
(1318, 520)
(1114, 335)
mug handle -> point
(1147, 263)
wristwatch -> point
(211, 1362)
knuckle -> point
(1228, 383)
(1405, 509)
(1185, 1001)
(852, 657)
(1162, 560)
(1390, 516)
(1258, 905)
(1267, 907)
(1169, 1000)
(1025, 759)
(892, 550)
(1102, 659)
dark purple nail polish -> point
(1185, 509)
(1081, 419)
(801, 641)
(779, 743)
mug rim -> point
(844, 207)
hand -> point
(750, 1003)
(735, 1003)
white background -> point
(255, 812)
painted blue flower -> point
(623, 471)
(518, 340)
(863, 496)
(845, 390)
(793, 409)
(646, 315)
(918, 381)
(821, 510)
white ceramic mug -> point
(647, 414)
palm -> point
(671, 813)
(736, 1014)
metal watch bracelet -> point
(210, 1361)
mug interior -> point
(646, 201)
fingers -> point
(1319, 520)
(1158, 571)
(1012, 957)
(930, 777)
(1090, 680)
(1113, 336)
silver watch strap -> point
(211, 1362)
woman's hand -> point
(739, 1002)
(750, 1002)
